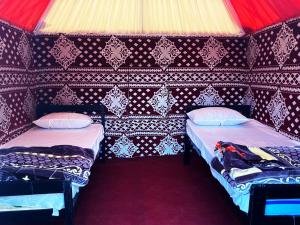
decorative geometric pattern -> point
(284, 45)
(64, 51)
(249, 99)
(5, 115)
(24, 50)
(209, 96)
(168, 146)
(66, 96)
(252, 52)
(2, 47)
(115, 52)
(277, 109)
(165, 52)
(162, 101)
(213, 52)
(29, 105)
(91, 77)
(124, 148)
(116, 101)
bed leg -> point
(187, 151)
(102, 149)
(68, 203)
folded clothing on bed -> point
(56, 162)
(242, 165)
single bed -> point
(62, 197)
(252, 133)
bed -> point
(204, 138)
(47, 199)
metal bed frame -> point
(259, 193)
(14, 188)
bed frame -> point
(259, 193)
(97, 112)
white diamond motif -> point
(162, 101)
(124, 148)
(249, 99)
(64, 51)
(116, 101)
(29, 105)
(5, 115)
(66, 96)
(24, 50)
(168, 146)
(209, 96)
(252, 52)
(213, 52)
(164, 52)
(2, 47)
(277, 109)
(284, 45)
(115, 52)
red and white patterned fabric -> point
(146, 93)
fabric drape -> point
(140, 17)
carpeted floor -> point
(155, 191)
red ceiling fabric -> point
(257, 14)
(23, 13)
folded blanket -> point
(57, 162)
(253, 164)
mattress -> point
(89, 137)
(252, 133)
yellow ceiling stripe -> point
(170, 17)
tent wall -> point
(275, 77)
(17, 101)
(147, 82)
(153, 121)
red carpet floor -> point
(155, 191)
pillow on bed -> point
(216, 116)
(63, 120)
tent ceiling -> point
(23, 13)
(257, 14)
(179, 17)
(148, 16)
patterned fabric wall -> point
(145, 83)
(17, 101)
(274, 58)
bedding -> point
(216, 116)
(56, 162)
(249, 165)
(252, 133)
(88, 138)
(63, 120)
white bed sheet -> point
(252, 133)
(89, 137)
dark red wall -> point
(275, 77)
(148, 131)
(17, 101)
(147, 82)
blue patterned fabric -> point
(283, 167)
(56, 162)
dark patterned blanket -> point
(242, 165)
(57, 162)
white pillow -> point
(63, 120)
(216, 116)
